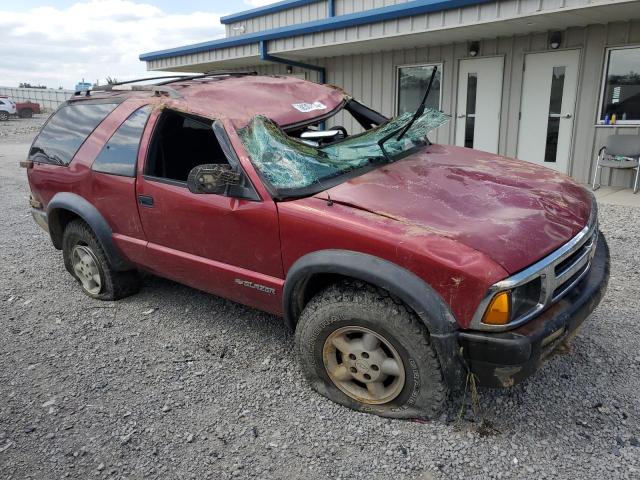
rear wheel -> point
(26, 113)
(86, 261)
(363, 349)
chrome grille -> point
(571, 270)
(559, 272)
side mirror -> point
(212, 178)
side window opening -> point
(180, 143)
(66, 130)
(120, 153)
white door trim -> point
(578, 84)
(462, 101)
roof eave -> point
(415, 7)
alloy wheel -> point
(363, 364)
(85, 266)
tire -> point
(86, 261)
(352, 307)
(26, 113)
(4, 116)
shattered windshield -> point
(289, 164)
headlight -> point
(513, 304)
(526, 297)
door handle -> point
(567, 115)
(461, 115)
(145, 200)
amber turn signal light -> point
(498, 311)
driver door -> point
(224, 244)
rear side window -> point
(118, 156)
(66, 131)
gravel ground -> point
(174, 383)
(18, 130)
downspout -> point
(331, 8)
(264, 55)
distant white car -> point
(7, 108)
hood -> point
(512, 211)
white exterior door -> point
(547, 109)
(479, 102)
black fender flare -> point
(408, 287)
(67, 201)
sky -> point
(57, 43)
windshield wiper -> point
(419, 111)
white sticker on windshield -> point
(308, 107)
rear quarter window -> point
(118, 156)
(66, 131)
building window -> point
(413, 82)
(621, 90)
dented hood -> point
(512, 211)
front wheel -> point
(26, 113)
(4, 116)
(86, 261)
(363, 349)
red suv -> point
(402, 265)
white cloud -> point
(95, 39)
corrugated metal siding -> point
(343, 7)
(455, 17)
(292, 16)
(371, 78)
(223, 54)
(443, 20)
(475, 13)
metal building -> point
(541, 80)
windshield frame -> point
(283, 194)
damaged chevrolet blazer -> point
(403, 266)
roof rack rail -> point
(156, 89)
(213, 73)
(135, 80)
(109, 86)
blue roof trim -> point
(257, 12)
(415, 7)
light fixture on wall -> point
(555, 40)
(474, 49)
(289, 69)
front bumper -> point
(506, 358)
